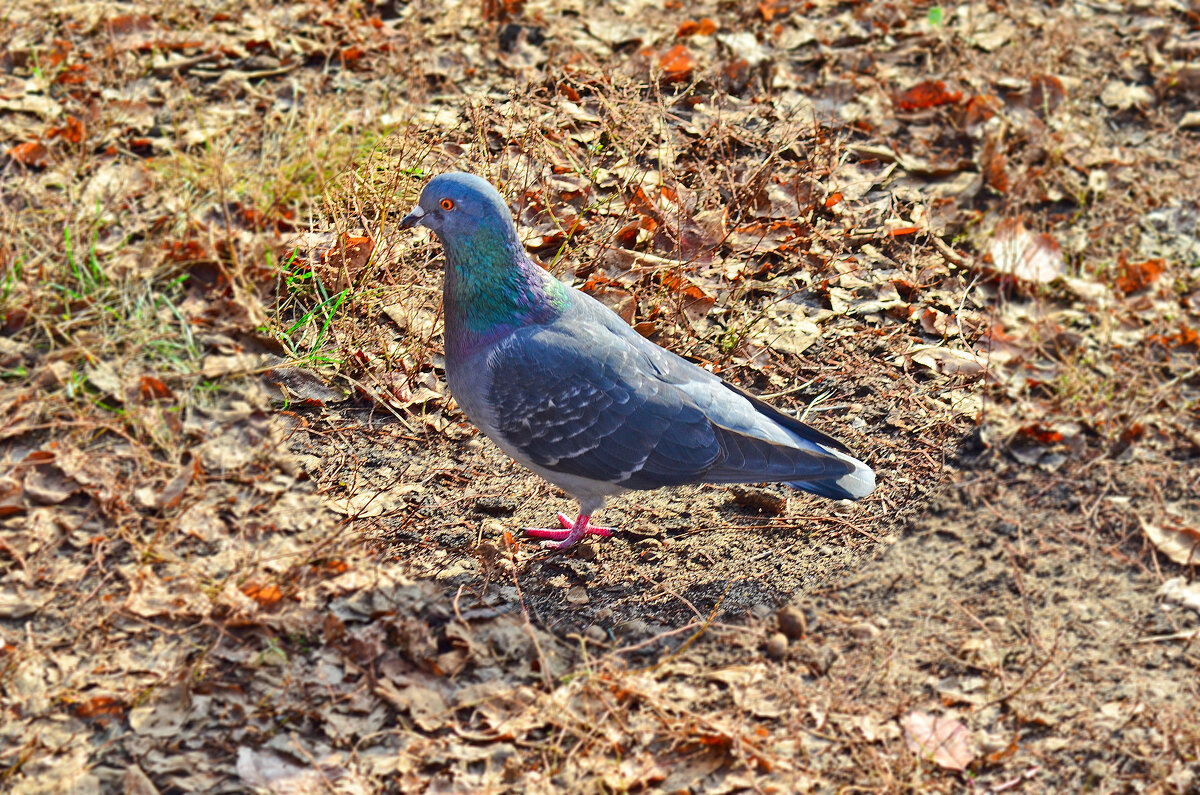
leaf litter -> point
(248, 542)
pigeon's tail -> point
(854, 485)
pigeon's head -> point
(462, 209)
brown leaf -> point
(304, 387)
(696, 302)
(349, 257)
(994, 163)
(769, 9)
(1046, 94)
(501, 10)
(100, 707)
(948, 361)
(72, 131)
(980, 108)
(172, 493)
(943, 740)
(935, 321)
(48, 485)
(10, 498)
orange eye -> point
(447, 204)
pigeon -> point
(568, 389)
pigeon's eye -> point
(447, 204)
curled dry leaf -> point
(943, 740)
(948, 361)
(302, 386)
(1020, 253)
(47, 485)
(1178, 541)
(695, 302)
(1178, 591)
(10, 498)
(151, 388)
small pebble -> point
(864, 630)
(996, 624)
(819, 658)
(493, 529)
(792, 622)
(595, 634)
(578, 595)
(777, 646)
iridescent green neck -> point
(491, 288)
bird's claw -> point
(570, 535)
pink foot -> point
(571, 533)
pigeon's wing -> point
(584, 403)
(758, 443)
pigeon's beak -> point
(413, 219)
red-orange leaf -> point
(151, 388)
(31, 153)
(692, 27)
(99, 707)
(72, 131)
(1134, 276)
(357, 251)
(772, 8)
(265, 595)
(677, 64)
(927, 94)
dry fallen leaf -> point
(948, 361)
(1178, 542)
(1020, 253)
(1178, 591)
(677, 64)
(943, 740)
(32, 153)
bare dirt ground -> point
(248, 543)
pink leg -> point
(571, 533)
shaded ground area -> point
(247, 541)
